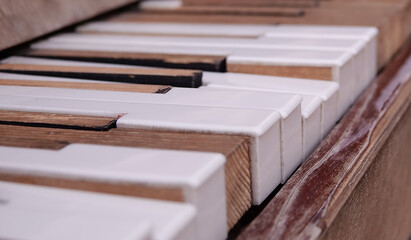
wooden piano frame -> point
(356, 185)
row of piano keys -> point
(263, 127)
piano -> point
(184, 119)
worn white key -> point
(327, 91)
(264, 42)
(311, 109)
(236, 30)
(357, 47)
(287, 104)
(263, 126)
(33, 212)
(340, 62)
(368, 34)
(199, 176)
(160, 4)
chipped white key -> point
(334, 65)
(263, 126)
(357, 47)
(307, 32)
(33, 212)
(287, 104)
(368, 34)
(198, 177)
(327, 91)
(160, 4)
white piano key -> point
(287, 104)
(200, 176)
(327, 91)
(263, 126)
(368, 34)
(160, 4)
(324, 31)
(355, 46)
(339, 61)
(126, 48)
(311, 107)
(33, 212)
(236, 30)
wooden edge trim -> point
(309, 201)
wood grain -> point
(135, 190)
(382, 198)
(64, 121)
(173, 77)
(311, 199)
(235, 148)
(122, 87)
(182, 61)
(23, 20)
(318, 73)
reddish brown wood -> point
(310, 200)
(380, 204)
(22, 20)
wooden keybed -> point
(368, 137)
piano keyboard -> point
(199, 121)
(32, 212)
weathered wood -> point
(379, 206)
(22, 20)
(311, 199)
(182, 61)
(173, 77)
(122, 87)
(318, 73)
(136, 190)
(65, 121)
(235, 148)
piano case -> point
(356, 185)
